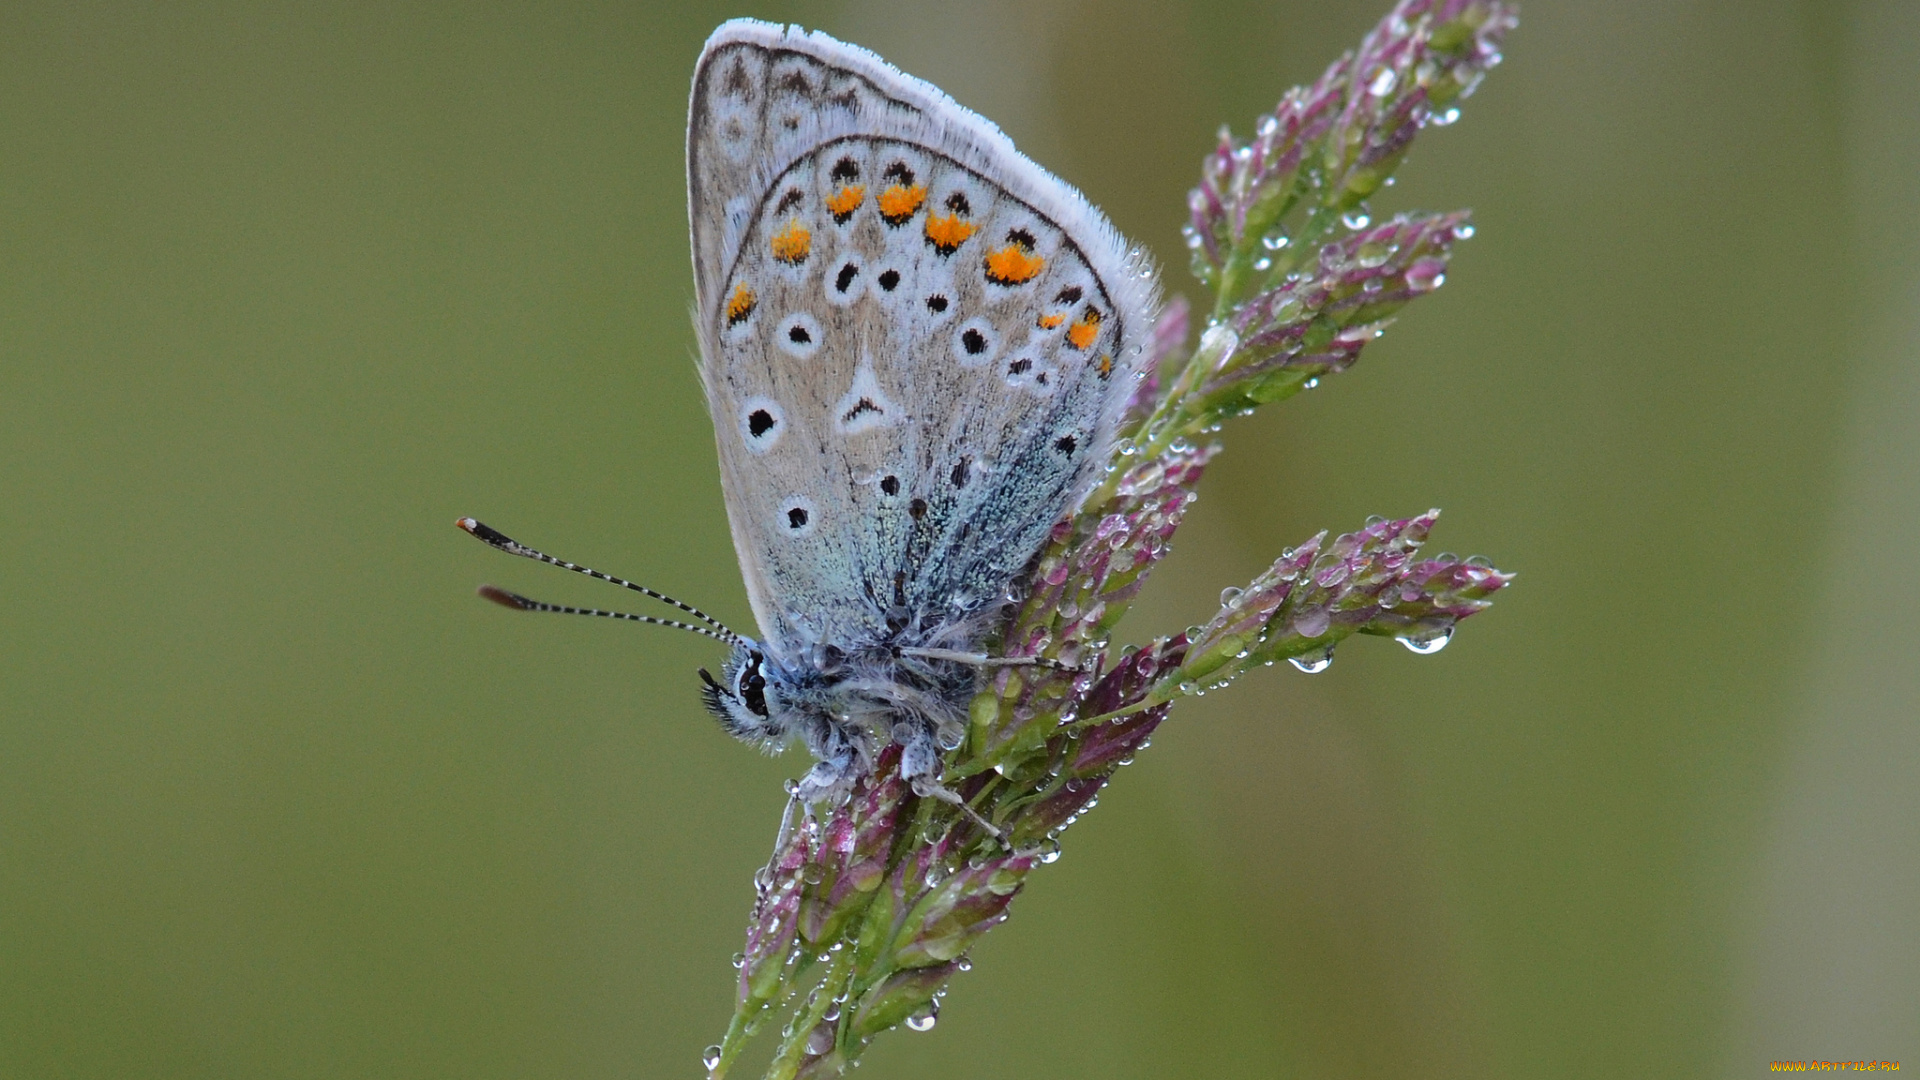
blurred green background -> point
(284, 288)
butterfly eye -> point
(751, 686)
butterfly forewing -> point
(915, 342)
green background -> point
(286, 287)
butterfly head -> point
(743, 698)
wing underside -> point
(915, 343)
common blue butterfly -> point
(916, 345)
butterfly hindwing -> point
(915, 343)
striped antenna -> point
(496, 539)
(521, 603)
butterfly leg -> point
(920, 768)
(982, 660)
(763, 878)
(830, 780)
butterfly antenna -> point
(521, 603)
(494, 538)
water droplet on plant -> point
(820, 1040)
(1274, 241)
(1442, 119)
(925, 1018)
(1311, 383)
(1315, 662)
(1312, 622)
(710, 1058)
(1480, 561)
(1464, 232)
(963, 964)
(1263, 263)
(1355, 220)
(739, 960)
(1228, 595)
(1190, 687)
(1427, 643)
(1382, 83)
(1050, 853)
(1267, 126)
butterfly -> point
(916, 345)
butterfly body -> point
(916, 345)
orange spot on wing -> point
(1048, 322)
(740, 305)
(844, 202)
(1084, 330)
(898, 203)
(792, 243)
(1013, 264)
(1104, 365)
(948, 232)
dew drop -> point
(710, 1058)
(963, 964)
(1464, 232)
(1267, 126)
(1382, 83)
(1273, 241)
(1355, 220)
(1428, 643)
(1228, 595)
(925, 1018)
(1263, 263)
(820, 1040)
(1311, 383)
(1315, 662)
(739, 960)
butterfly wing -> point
(915, 342)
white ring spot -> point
(844, 280)
(975, 342)
(795, 517)
(799, 335)
(762, 422)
